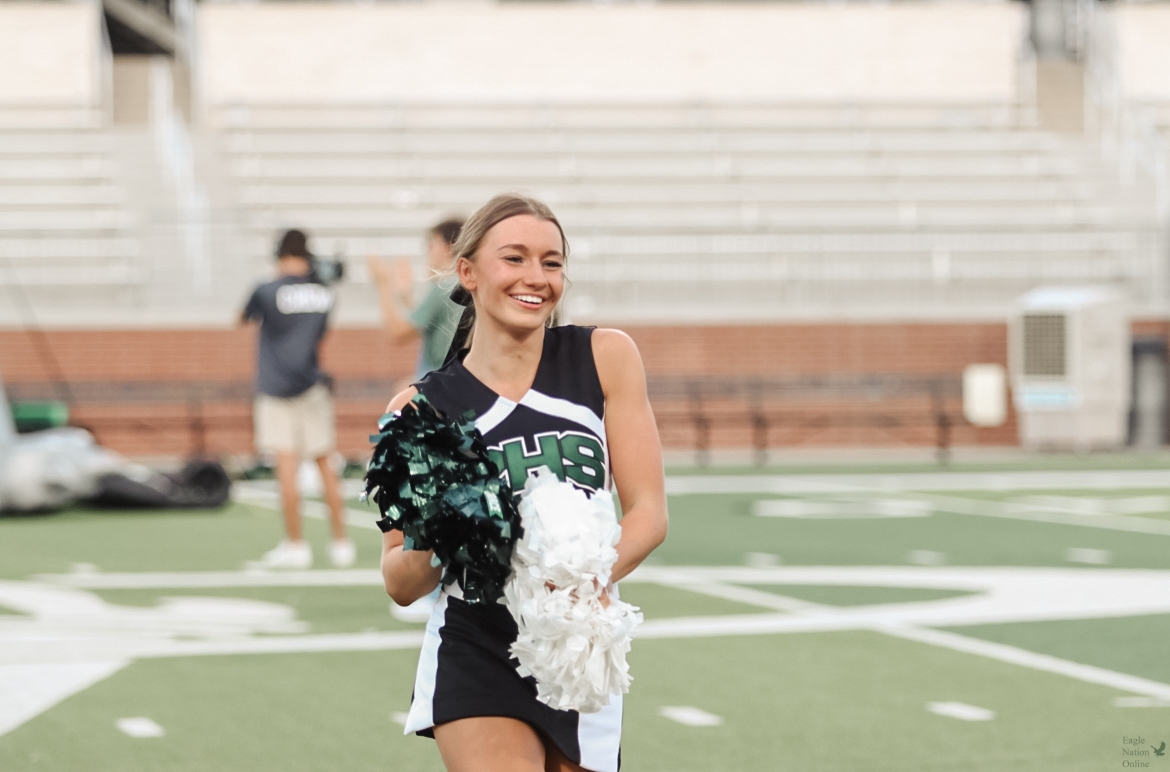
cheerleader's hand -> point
(377, 268)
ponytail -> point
(462, 338)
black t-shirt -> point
(293, 312)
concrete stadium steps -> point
(932, 217)
(53, 274)
(65, 218)
(25, 170)
(65, 229)
(42, 118)
(820, 116)
(28, 197)
(777, 140)
(676, 211)
(51, 142)
(444, 195)
(693, 168)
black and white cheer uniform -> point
(464, 667)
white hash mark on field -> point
(761, 559)
(140, 727)
(1088, 555)
(961, 711)
(689, 716)
(399, 717)
(926, 558)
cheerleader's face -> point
(517, 275)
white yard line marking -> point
(250, 493)
(344, 577)
(31, 689)
(1084, 505)
(689, 716)
(140, 727)
(841, 508)
(923, 481)
(1142, 702)
(961, 711)
(1010, 654)
(761, 598)
(290, 644)
(1004, 510)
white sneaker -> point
(342, 553)
(293, 555)
(419, 611)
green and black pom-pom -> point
(432, 479)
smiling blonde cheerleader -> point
(566, 398)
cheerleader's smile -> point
(532, 302)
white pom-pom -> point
(573, 645)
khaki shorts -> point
(302, 424)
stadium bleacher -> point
(956, 208)
(64, 225)
(719, 212)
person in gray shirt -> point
(293, 409)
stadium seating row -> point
(63, 215)
(710, 221)
(965, 214)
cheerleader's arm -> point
(407, 574)
(635, 452)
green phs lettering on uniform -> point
(518, 462)
(586, 460)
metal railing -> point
(909, 408)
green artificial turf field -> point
(861, 618)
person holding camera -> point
(293, 410)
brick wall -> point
(176, 425)
(826, 349)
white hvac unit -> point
(1070, 367)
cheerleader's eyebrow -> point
(524, 248)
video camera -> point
(329, 270)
